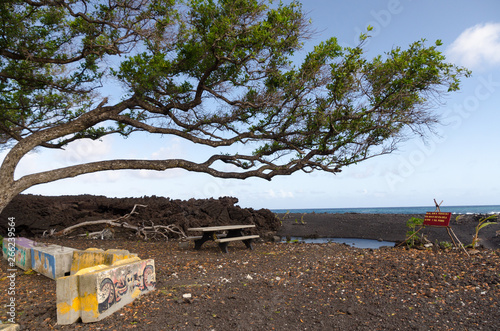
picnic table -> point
(215, 233)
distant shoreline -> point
(456, 210)
(386, 227)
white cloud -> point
(172, 151)
(279, 194)
(477, 47)
(87, 150)
(154, 174)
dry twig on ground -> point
(144, 231)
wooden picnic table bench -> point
(234, 233)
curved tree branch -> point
(215, 73)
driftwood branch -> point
(145, 231)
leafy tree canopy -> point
(217, 73)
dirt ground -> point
(296, 286)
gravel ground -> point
(288, 287)
(278, 286)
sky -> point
(460, 166)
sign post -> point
(441, 220)
(437, 219)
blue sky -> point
(460, 166)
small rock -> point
(187, 298)
(184, 244)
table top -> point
(222, 227)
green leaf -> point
(485, 224)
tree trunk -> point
(7, 193)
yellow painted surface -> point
(64, 307)
(90, 270)
(93, 256)
(89, 303)
(86, 259)
(126, 261)
(136, 293)
(117, 255)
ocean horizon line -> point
(465, 209)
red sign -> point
(437, 219)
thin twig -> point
(142, 231)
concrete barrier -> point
(96, 292)
(5, 246)
(52, 261)
(92, 257)
(9, 327)
(22, 248)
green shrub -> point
(445, 245)
(412, 223)
(482, 224)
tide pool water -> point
(353, 242)
(490, 209)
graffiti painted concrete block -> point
(103, 290)
(116, 287)
(18, 249)
(5, 245)
(92, 257)
(69, 301)
(52, 261)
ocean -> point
(490, 209)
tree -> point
(216, 73)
